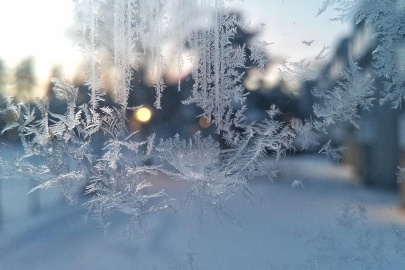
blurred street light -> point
(143, 114)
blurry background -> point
(38, 231)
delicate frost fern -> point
(119, 182)
(323, 53)
(206, 30)
(117, 179)
(124, 40)
(386, 18)
(217, 79)
(296, 71)
(306, 136)
(215, 172)
(342, 104)
(332, 153)
(308, 42)
(88, 16)
(400, 175)
(258, 54)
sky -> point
(40, 29)
(288, 22)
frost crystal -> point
(297, 184)
(342, 104)
(258, 54)
(400, 175)
(332, 153)
(215, 172)
(217, 64)
(59, 147)
(323, 53)
(308, 42)
(296, 71)
(386, 17)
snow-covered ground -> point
(328, 223)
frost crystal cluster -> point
(59, 148)
(387, 19)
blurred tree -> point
(24, 78)
(1, 190)
(2, 76)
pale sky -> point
(288, 22)
(40, 29)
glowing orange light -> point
(143, 114)
(204, 123)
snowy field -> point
(329, 223)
